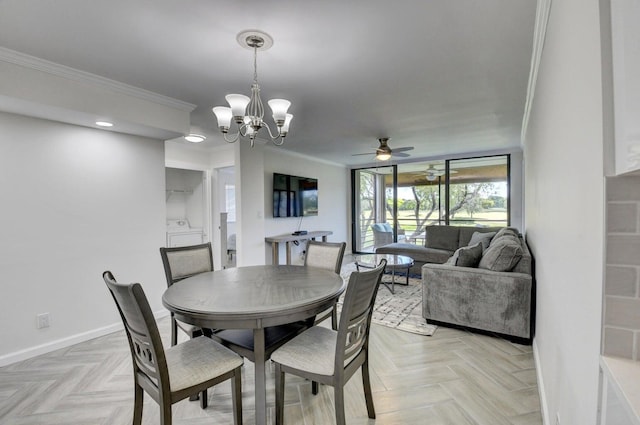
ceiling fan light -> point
(223, 114)
(383, 156)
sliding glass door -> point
(374, 206)
(405, 198)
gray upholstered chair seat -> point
(197, 360)
(313, 350)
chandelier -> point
(248, 113)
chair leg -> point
(165, 412)
(279, 395)
(174, 330)
(138, 400)
(366, 383)
(338, 392)
(236, 395)
(203, 399)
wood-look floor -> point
(454, 377)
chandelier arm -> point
(265, 125)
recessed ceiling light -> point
(104, 124)
(194, 138)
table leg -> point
(260, 379)
(288, 252)
(275, 249)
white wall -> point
(75, 202)
(564, 204)
(333, 200)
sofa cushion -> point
(378, 227)
(442, 237)
(467, 256)
(419, 254)
(502, 255)
(483, 238)
(467, 232)
(387, 227)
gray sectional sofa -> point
(479, 278)
(439, 245)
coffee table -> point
(394, 262)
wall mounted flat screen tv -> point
(294, 196)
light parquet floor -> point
(453, 378)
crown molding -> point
(32, 62)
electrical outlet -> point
(42, 320)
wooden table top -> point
(255, 293)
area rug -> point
(401, 310)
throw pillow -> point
(507, 231)
(467, 256)
(483, 238)
(502, 255)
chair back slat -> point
(182, 262)
(325, 255)
(141, 329)
(355, 318)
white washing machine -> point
(180, 233)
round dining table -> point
(254, 297)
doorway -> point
(187, 208)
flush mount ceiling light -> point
(248, 113)
(194, 138)
(104, 124)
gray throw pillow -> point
(483, 238)
(502, 255)
(467, 256)
(507, 231)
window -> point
(411, 196)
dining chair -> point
(325, 255)
(332, 357)
(180, 263)
(178, 372)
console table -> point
(288, 238)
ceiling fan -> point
(384, 152)
(433, 173)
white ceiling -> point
(444, 76)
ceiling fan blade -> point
(368, 153)
(399, 154)
(404, 149)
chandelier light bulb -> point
(224, 115)
(285, 126)
(238, 104)
(279, 108)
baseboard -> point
(31, 352)
(544, 409)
